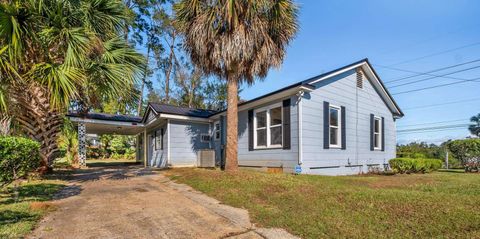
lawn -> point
(18, 218)
(436, 205)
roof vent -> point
(359, 78)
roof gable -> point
(371, 75)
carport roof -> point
(109, 117)
(177, 110)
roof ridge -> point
(184, 107)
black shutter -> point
(372, 130)
(162, 133)
(250, 130)
(286, 124)
(222, 130)
(344, 132)
(326, 125)
(383, 134)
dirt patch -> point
(41, 206)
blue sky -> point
(336, 33)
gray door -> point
(157, 157)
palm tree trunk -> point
(231, 163)
(39, 122)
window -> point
(204, 138)
(158, 137)
(377, 129)
(268, 127)
(216, 130)
(335, 126)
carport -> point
(99, 123)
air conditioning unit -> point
(206, 158)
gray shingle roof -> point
(177, 110)
(102, 116)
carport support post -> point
(145, 148)
(82, 138)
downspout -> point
(168, 142)
(300, 128)
(145, 147)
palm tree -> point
(55, 52)
(236, 40)
(475, 127)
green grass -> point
(19, 217)
(436, 205)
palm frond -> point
(103, 17)
(241, 39)
(59, 80)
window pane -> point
(377, 126)
(261, 119)
(276, 135)
(333, 117)
(261, 137)
(217, 126)
(333, 136)
(217, 134)
(377, 141)
(276, 116)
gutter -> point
(300, 126)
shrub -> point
(468, 152)
(18, 157)
(415, 165)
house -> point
(338, 123)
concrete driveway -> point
(133, 202)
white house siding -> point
(341, 90)
(185, 142)
(286, 158)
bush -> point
(18, 157)
(415, 165)
(468, 152)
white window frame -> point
(267, 127)
(338, 127)
(379, 133)
(215, 130)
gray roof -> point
(177, 110)
(111, 117)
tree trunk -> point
(167, 76)
(40, 122)
(142, 88)
(171, 61)
(232, 125)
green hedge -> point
(414, 165)
(18, 157)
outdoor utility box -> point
(206, 158)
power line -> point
(436, 54)
(423, 73)
(434, 128)
(428, 131)
(437, 122)
(436, 37)
(429, 78)
(436, 86)
(441, 104)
